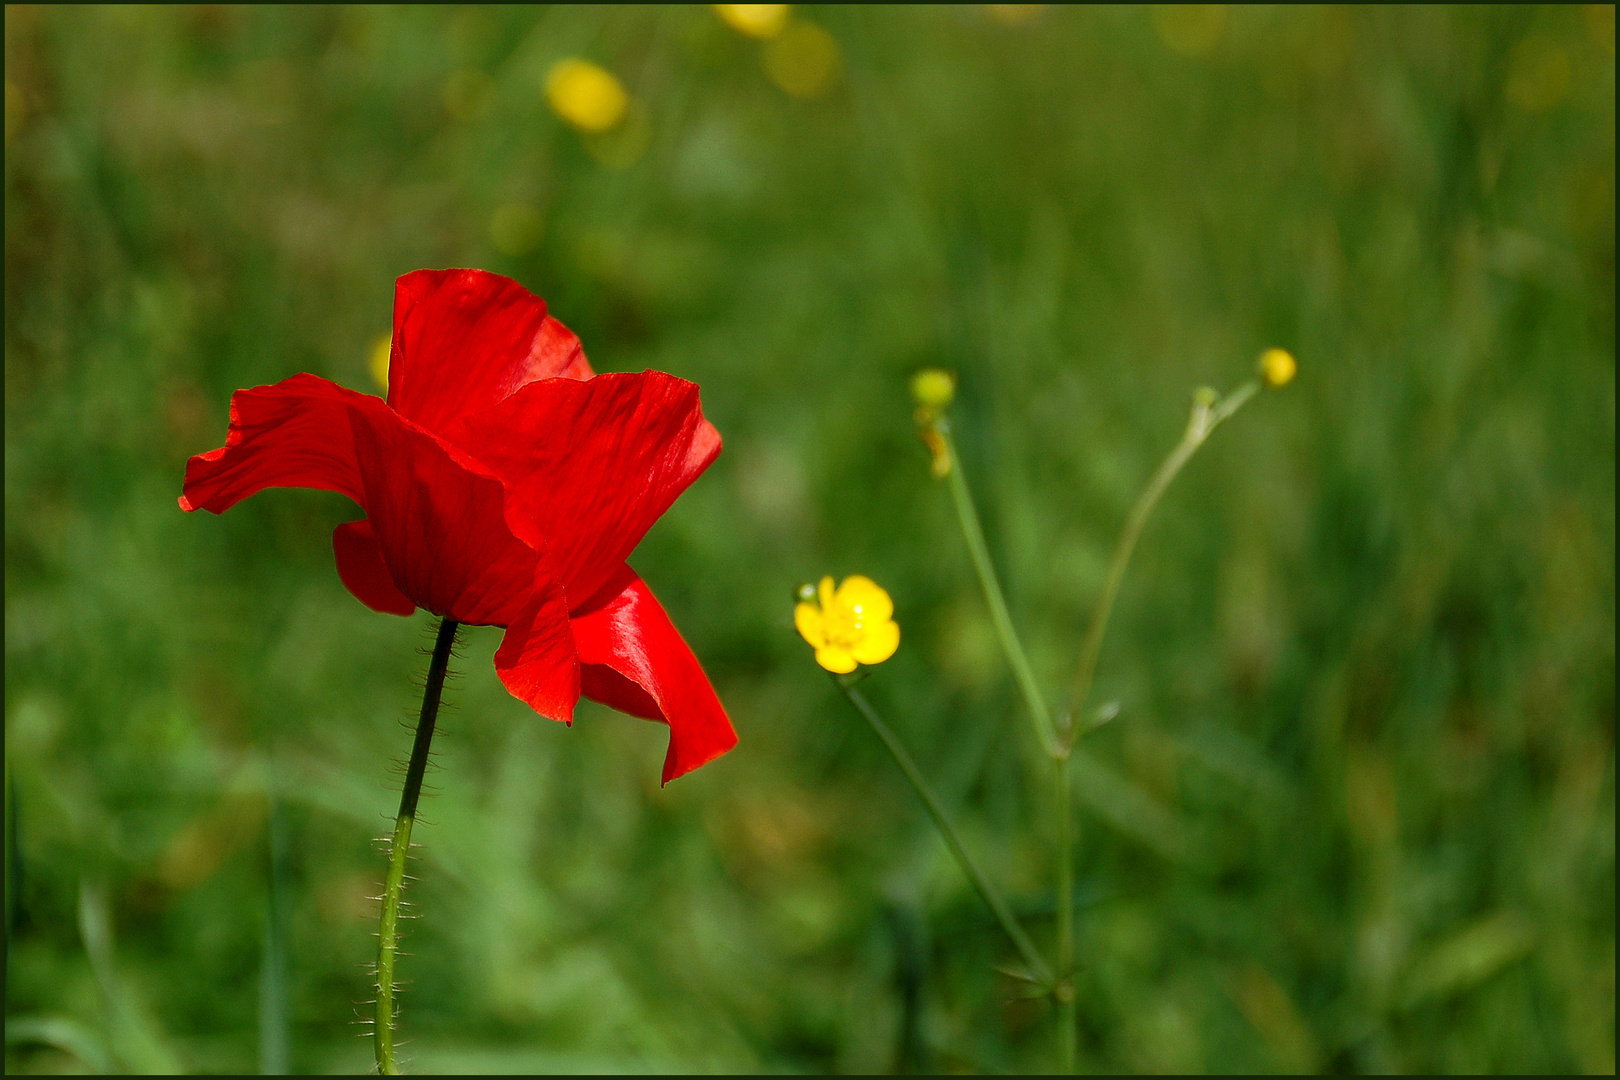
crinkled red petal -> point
(440, 527)
(635, 660)
(589, 466)
(436, 524)
(360, 564)
(293, 434)
(465, 339)
(537, 661)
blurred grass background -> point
(1357, 813)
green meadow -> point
(1356, 810)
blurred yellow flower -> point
(381, 350)
(803, 60)
(1600, 24)
(1277, 367)
(1538, 74)
(1190, 29)
(589, 98)
(1015, 14)
(16, 109)
(851, 625)
(933, 388)
(755, 20)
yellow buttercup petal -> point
(807, 618)
(836, 660)
(878, 644)
(824, 593)
(865, 599)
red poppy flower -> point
(504, 484)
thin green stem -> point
(1206, 416)
(1055, 744)
(399, 849)
(1032, 957)
(1068, 1033)
(1039, 713)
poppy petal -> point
(360, 564)
(536, 661)
(589, 466)
(439, 526)
(293, 434)
(628, 644)
(601, 683)
(465, 339)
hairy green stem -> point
(399, 849)
(1037, 965)
(1040, 715)
(1206, 416)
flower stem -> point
(1040, 715)
(1068, 1022)
(1055, 744)
(1032, 957)
(399, 849)
(1206, 416)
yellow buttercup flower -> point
(853, 624)
(590, 98)
(1277, 367)
(755, 20)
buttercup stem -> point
(399, 849)
(1032, 957)
(1205, 418)
(1039, 714)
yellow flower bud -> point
(1277, 367)
(848, 626)
(933, 388)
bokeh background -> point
(1357, 811)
